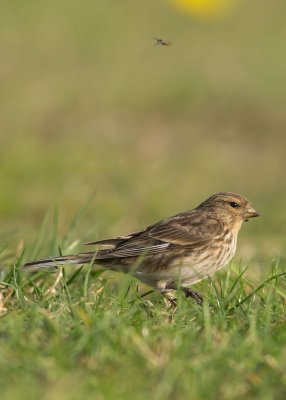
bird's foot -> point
(171, 299)
(187, 291)
(195, 295)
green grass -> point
(82, 333)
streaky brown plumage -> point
(182, 249)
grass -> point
(83, 333)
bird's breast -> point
(205, 261)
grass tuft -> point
(80, 333)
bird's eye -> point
(233, 204)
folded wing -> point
(185, 229)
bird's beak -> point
(250, 212)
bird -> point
(161, 42)
(174, 253)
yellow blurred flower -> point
(205, 8)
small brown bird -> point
(177, 251)
(161, 42)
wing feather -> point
(185, 229)
(134, 251)
(188, 228)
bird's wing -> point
(184, 229)
(132, 245)
(113, 241)
(134, 251)
(188, 228)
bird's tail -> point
(48, 263)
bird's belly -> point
(185, 270)
(194, 269)
(186, 273)
(190, 269)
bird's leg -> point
(168, 294)
(195, 295)
(187, 291)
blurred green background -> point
(90, 107)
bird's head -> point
(230, 207)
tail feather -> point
(59, 261)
